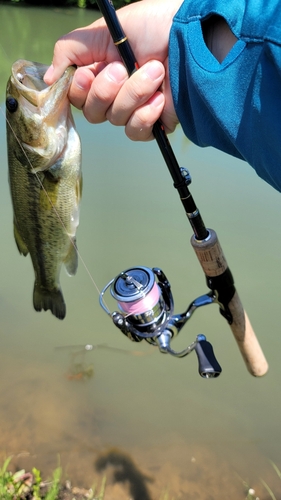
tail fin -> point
(49, 299)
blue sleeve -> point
(234, 106)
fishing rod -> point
(144, 295)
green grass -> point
(21, 483)
(25, 485)
(250, 492)
(268, 489)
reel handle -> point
(208, 365)
(214, 265)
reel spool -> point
(146, 307)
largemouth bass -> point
(44, 156)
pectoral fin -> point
(79, 188)
(71, 260)
(22, 248)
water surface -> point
(197, 438)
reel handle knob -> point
(208, 364)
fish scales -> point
(44, 157)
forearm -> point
(226, 83)
(218, 37)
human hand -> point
(101, 87)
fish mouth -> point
(45, 110)
(28, 78)
(30, 75)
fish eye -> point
(11, 104)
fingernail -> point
(154, 70)
(116, 72)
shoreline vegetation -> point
(81, 4)
(22, 485)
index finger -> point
(82, 47)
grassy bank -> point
(23, 485)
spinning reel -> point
(146, 306)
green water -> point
(196, 437)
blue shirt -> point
(235, 105)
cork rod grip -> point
(213, 263)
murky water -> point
(196, 438)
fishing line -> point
(51, 203)
(4, 52)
